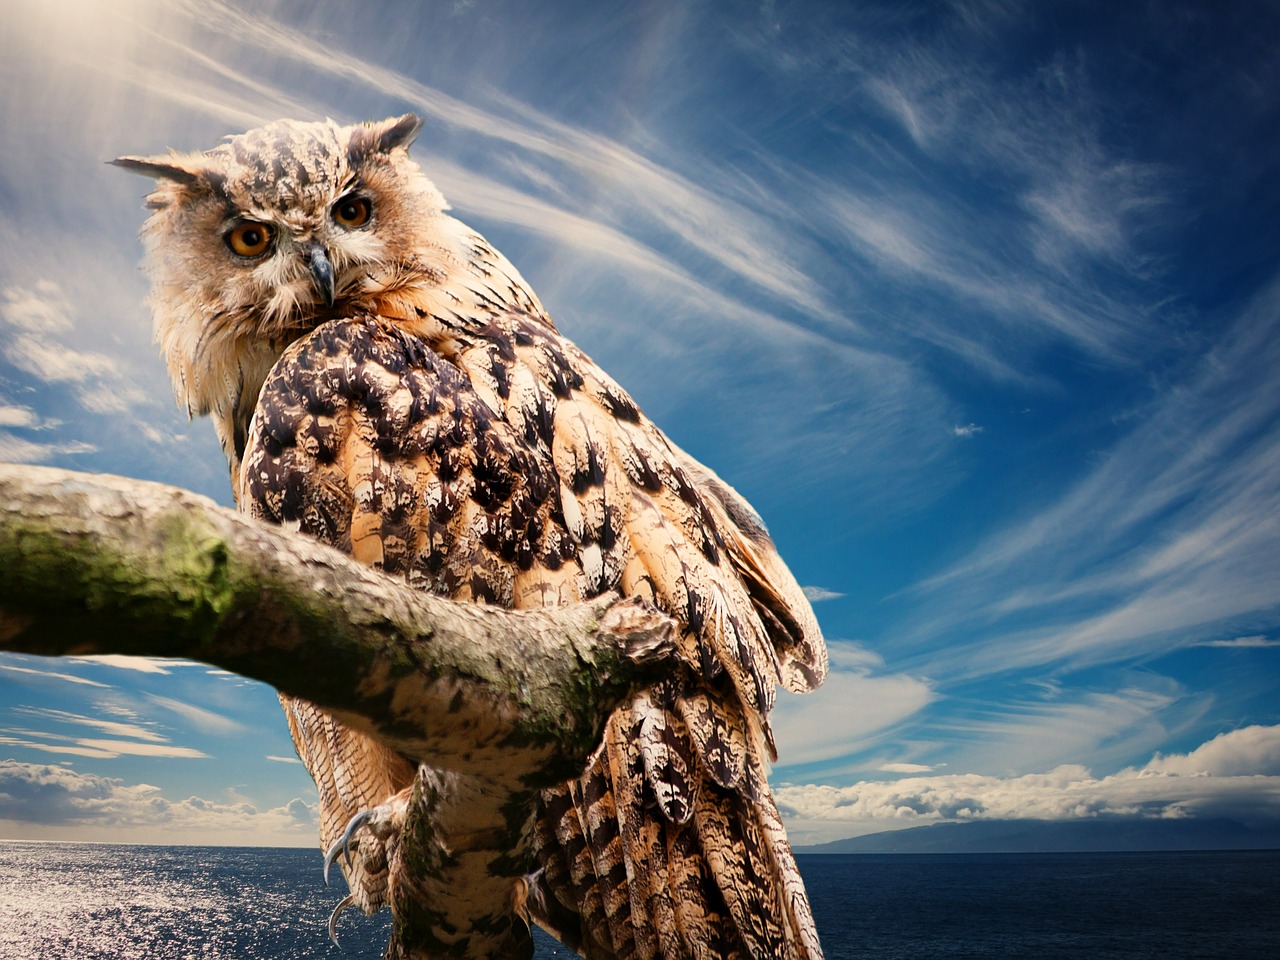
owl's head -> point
(255, 242)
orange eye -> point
(249, 238)
(352, 211)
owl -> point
(384, 380)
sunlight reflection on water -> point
(109, 901)
(125, 902)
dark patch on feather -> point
(590, 474)
(621, 406)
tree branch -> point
(93, 564)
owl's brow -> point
(215, 181)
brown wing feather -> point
(678, 784)
(781, 605)
(519, 474)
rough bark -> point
(93, 564)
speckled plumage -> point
(434, 423)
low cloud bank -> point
(1236, 774)
(40, 801)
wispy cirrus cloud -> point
(114, 727)
(37, 324)
(818, 594)
(921, 723)
(38, 674)
(20, 450)
(686, 260)
(99, 749)
(122, 738)
(856, 707)
(1255, 642)
(158, 665)
(1169, 538)
(206, 721)
(39, 331)
(110, 749)
(1044, 124)
(905, 768)
(1102, 727)
(1008, 207)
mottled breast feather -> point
(517, 473)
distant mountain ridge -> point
(1060, 836)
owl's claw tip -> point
(347, 901)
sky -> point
(978, 303)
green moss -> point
(119, 592)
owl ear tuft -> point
(160, 168)
(383, 136)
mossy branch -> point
(94, 564)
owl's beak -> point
(322, 272)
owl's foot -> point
(343, 845)
(382, 822)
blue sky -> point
(978, 303)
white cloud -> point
(112, 727)
(140, 664)
(275, 759)
(818, 594)
(128, 748)
(1255, 642)
(39, 310)
(203, 720)
(143, 740)
(49, 674)
(1236, 774)
(12, 416)
(1249, 751)
(68, 748)
(116, 397)
(34, 325)
(38, 330)
(852, 709)
(967, 430)
(55, 362)
(1059, 199)
(17, 450)
(902, 106)
(1101, 727)
(905, 768)
(37, 800)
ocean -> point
(117, 902)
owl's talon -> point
(347, 901)
(343, 844)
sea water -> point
(117, 902)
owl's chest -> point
(441, 471)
